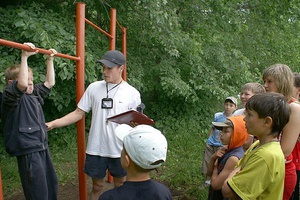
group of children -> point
(268, 166)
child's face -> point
(245, 96)
(270, 85)
(254, 124)
(30, 83)
(225, 135)
(229, 108)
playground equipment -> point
(80, 69)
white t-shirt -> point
(239, 112)
(102, 140)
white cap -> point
(145, 145)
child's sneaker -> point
(205, 184)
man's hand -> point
(49, 126)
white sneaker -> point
(207, 182)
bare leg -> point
(98, 185)
(119, 181)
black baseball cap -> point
(112, 59)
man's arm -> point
(68, 119)
(50, 74)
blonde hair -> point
(256, 88)
(283, 78)
(12, 72)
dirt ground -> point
(67, 191)
(70, 191)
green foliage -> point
(181, 171)
(185, 57)
(31, 23)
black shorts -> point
(96, 166)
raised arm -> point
(23, 73)
(291, 130)
(68, 119)
(212, 162)
(50, 74)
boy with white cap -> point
(144, 149)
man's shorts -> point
(96, 166)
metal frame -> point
(80, 73)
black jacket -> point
(23, 120)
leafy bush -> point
(185, 57)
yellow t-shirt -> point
(262, 173)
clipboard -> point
(131, 116)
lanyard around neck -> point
(107, 90)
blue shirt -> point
(214, 139)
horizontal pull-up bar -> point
(99, 29)
(27, 48)
(120, 26)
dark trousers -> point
(38, 176)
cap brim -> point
(234, 101)
(220, 125)
(107, 63)
(122, 130)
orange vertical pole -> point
(80, 39)
(112, 46)
(1, 192)
(113, 24)
(124, 50)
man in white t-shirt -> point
(105, 98)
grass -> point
(63, 149)
(181, 172)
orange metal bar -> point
(80, 39)
(124, 43)
(119, 25)
(113, 19)
(43, 51)
(80, 50)
(99, 29)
